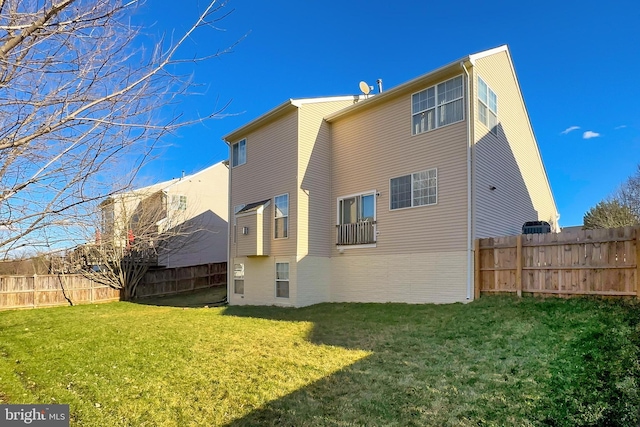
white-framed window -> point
(239, 153)
(281, 209)
(487, 106)
(416, 189)
(437, 106)
(356, 222)
(282, 280)
(238, 279)
(179, 203)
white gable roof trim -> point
(285, 107)
(393, 91)
(474, 57)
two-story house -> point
(185, 218)
(379, 199)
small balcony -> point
(357, 233)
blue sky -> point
(575, 60)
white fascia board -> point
(302, 101)
(260, 210)
(235, 135)
(474, 57)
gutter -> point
(469, 182)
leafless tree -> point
(139, 229)
(629, 193)
(80, 108)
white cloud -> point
(569, 129)
(620, 127)
(590, 134)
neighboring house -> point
(572, 228)
(191, 211)
(380, 199)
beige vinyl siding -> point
(510, 161)
(257, 241)
(314, 177)
(313, 280)
(246, 245)
(270, 170)
(372, 146)
(205, 217)
(436, 277)
(260, 281)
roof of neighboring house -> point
(571, 228)
(160, 186)
(253, 206)
(193, 175)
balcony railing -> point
(357, 233)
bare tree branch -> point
(82, 104)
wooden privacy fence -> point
(182, 279)
(583, 262)
(64, 289)
(52, 290)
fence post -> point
(476, 276)
(34, 292)
(519, 265)
(174, 273)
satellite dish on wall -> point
(364, 87)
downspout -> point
(166, 216)
(229, 219)
(469, 182)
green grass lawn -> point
(498, 361)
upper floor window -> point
(281, 208)
(416, 189)
(487, 106)
(179, 203)
(108, 218)
(239, 153)
(356, 219)
(437, 106)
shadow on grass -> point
(209, 297)
(490, 362)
